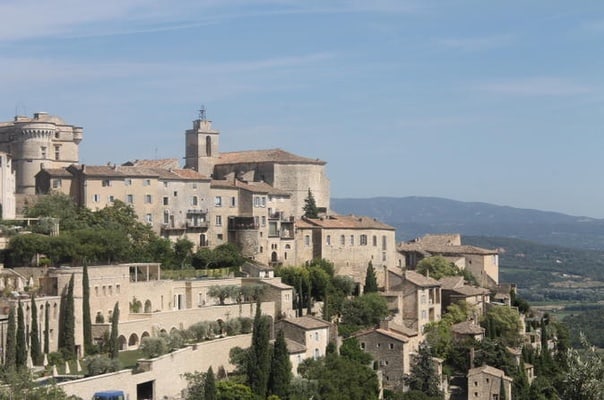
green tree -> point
(351, 349)
(35, 351)
(183, 251)
(281, 368)
(423, 375)
(371, 285)
(224, 292)
(310, 206)
(584, 379)
(10, 358)
(437, 267)
(363, 311)
(21, 352)
(209, 386)
(46, 328)
(67, 326)
(504, 323)
(258, 368)
(229, 390)
(113, 340)
(86, 318)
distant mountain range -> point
(416, 216)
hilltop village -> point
(274, 207)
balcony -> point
(242, 224)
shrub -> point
(233, 327)
(152, 347)
(246, 325)
(97, 365)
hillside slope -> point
(416, 216)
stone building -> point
(310, 332)
(486, 382)
(350, 242)
(41, 141)
(421, 298)
(7, 187)
(482, 263)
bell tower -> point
(202, 145)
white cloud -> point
(536, 86)
(477, 43)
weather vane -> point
(202, 113)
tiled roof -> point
(265, 156)
(126, 171)
(308, 322)
(347, 222)
(165, 163)
(442, 244)
(59, 172)
(487, 369)
(386, 332)
(451, 282)
(468, 290)
(420, 280)
(294, 347)
(467, 328)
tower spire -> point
(202, 113)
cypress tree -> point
(209, 386)
(281, 368)
(67, 328)
(423, 375)
(46, 328)
(21, 349)
(10, 359)
(86, 319)
(113, 342)
(34, 340)
(310, 206)
(259, 356)
(371, 285)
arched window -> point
(208, 146)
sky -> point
(491, 101)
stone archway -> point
(122, 343)
(133, 340)
(148, 307)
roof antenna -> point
(202, 113)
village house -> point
(482, 263)
(486, 382)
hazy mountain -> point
(416, 216)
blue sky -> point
(500, 102)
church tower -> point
(202, 145)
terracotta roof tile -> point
(59, 172)
(420, 280)
(308, 322)
(165, 163)
(265, 156)
(467, 328)
(347, 222)
(451, 282)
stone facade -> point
(41, 141)
(484, 383)
(310, 332)
(7, 187)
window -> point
(352, 240)
(219, 220)
(148, 199)
(43, 152)
(342, 240)
(149, 218)
(384, 242)
(96, 198)
(306, 240)
(127, 181)
(129, 198)
(374, 241)
(57, 152)
(317, 336)
(56, 183)
(218, 201)
(194, 201)
(391, 346)
(166, 200)
(363, 345)
(317, 354)
(166, 217)
(233, 201)
(363, 240)
(263, 220)
(424, 315)
(147, 182)
(111, 198)
(328, 240)
(175, 194)
(256, 201)
(106, 182)
(263, 201)
(117, 289)
(219, 236)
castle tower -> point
(43, 140)
(202, 145)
